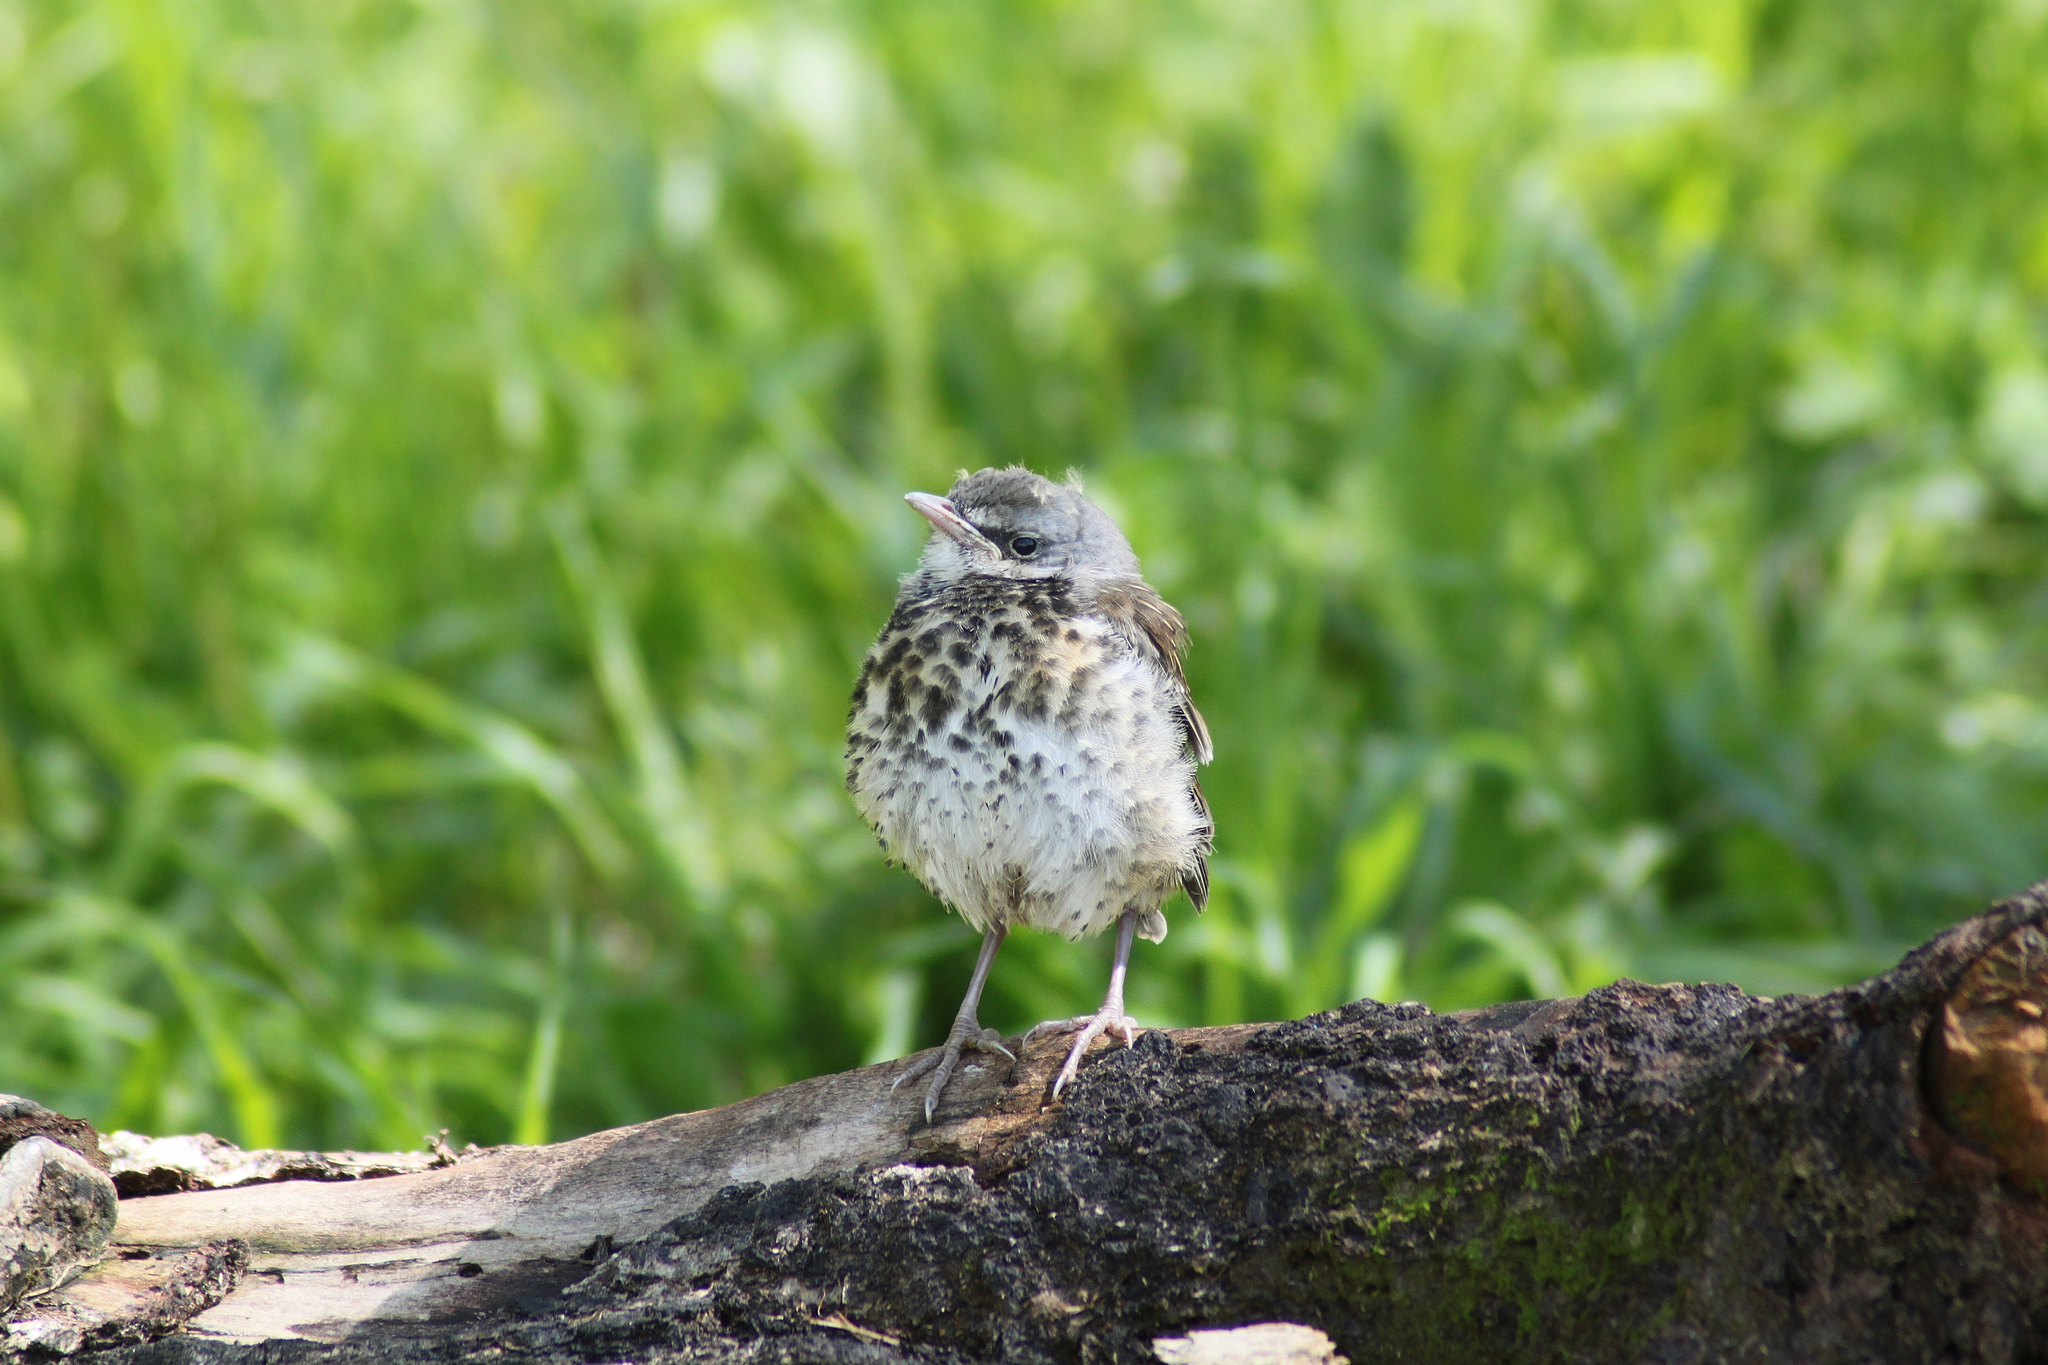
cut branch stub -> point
(1988, 1059)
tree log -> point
(1648, 1173)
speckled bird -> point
(1023, 740)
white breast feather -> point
(1102, 822)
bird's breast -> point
(1023, 762)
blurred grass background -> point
(451, 458)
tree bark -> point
(1648, 1173)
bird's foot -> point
(1089, 1027)
(967, 1034)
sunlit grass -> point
(451, 458)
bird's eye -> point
(1023, 546)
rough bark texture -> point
(1649, 1173)
(146, 1165)
(56, 1211)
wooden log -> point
(333, 1255)
(1669, 1173)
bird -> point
(1023, 740)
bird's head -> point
(1012, 523)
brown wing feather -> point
(1195, 880)
(1146, 619)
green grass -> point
(451, 459)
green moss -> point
(1504, 1227)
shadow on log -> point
(1648, 1173)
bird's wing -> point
(1145, 618)
(1195, 880)
(1149, 622)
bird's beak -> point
(946, 519)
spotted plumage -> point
(1022, 737)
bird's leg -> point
(967, 1031)
(1110, 1016)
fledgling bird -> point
(1023, 740)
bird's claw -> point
(966, 1035)
(1117, 1019)
(1089, 1027)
